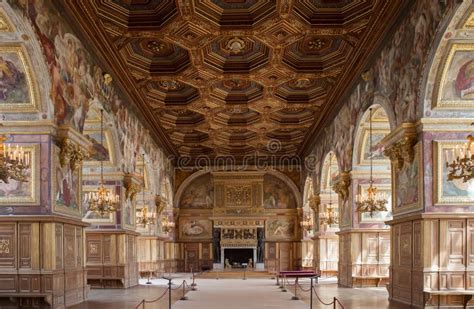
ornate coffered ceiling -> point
(229, 77)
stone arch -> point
(179, 193)
(381, 127)
(296, 192)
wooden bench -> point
(378, 279)
(428, 296)
(296, 274)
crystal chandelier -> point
(372, 201)
(460, 161)
(14, 162)
(103, 201)
(145, 218)
(307, 223)
(329, 216)
(167, 225)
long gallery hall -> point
(229, 154)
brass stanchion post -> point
(311, 295)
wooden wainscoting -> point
(41, 262)
(111, 259)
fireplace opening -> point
(238, 256)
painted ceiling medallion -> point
(235, 45)
(156, 46)
(170, 84)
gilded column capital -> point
(131, 185)
(341, 185)
(399, 145)
(70, 154)
(159, 204)
(315, 202)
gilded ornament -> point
(235, 45)
(131, 188)
(341, 186)
(70, 154)
(4, 246)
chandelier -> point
(14, 162)
(372, 201)
(145, 218)
(329, 216)
(460, 161)
(166, 225)
(307, 223)
(103, 201)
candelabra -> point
(145, 218)
(307, 223)
(167, 225)
(329, 217)
(14, 162)
(460, 161)
(372, 201)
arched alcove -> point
(363, 155)
(326, 246)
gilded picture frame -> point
(76, 176)
(195, 228)
(30, 195)
(447, 193)
(133, 211)
(281, 228)
(18, 54)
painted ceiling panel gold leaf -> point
(231, 77)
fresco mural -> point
(199, 194)
(67, 187)
(377, 148)
(13, 79)
(128, 213)
(393, 77)
(99, 152)
(195, 228)
(78, 84)
(280, 228)
(407, 182)
(457, 78)
(277, 194)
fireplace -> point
(237, 256)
